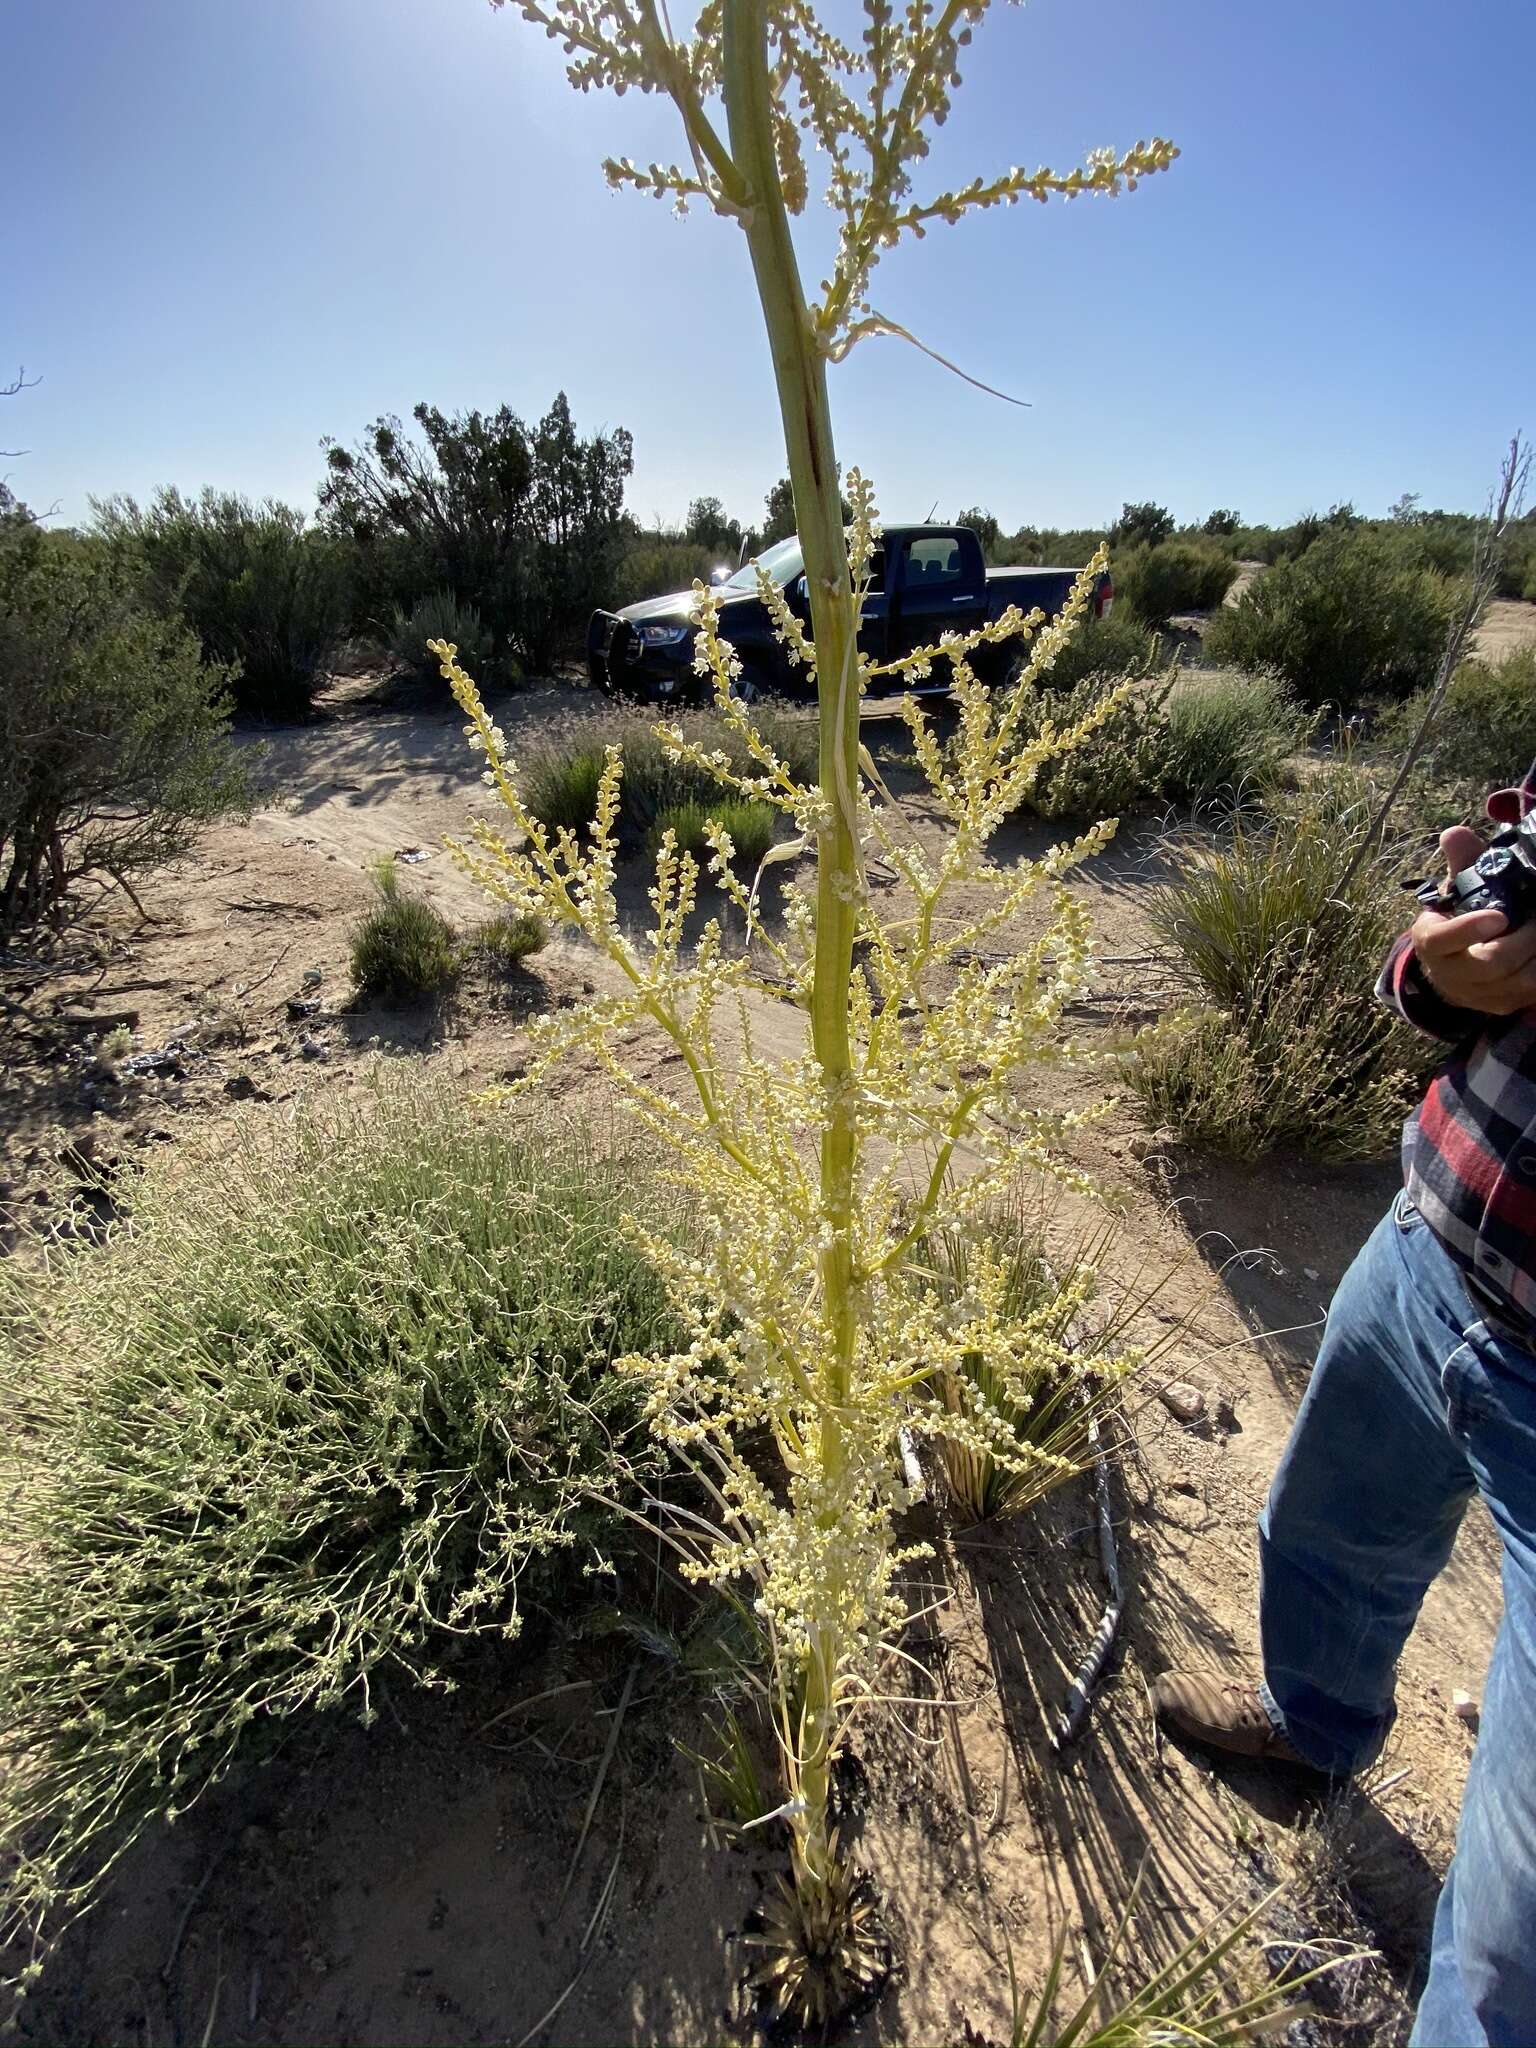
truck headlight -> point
(663, 635)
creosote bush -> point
(1175, 576)
(1294, 1050)
(1484, 735)
(403, 947)
(265, 592)
(1349, 620)
(338, 1395)
(1121, 764)
(114, 732)
(1114, 647)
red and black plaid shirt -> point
(1469, 1150)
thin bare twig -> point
(1503, 509)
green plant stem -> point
(800, 374)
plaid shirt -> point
(1469, 1150)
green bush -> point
(751, 826)
(1117, 646)
(508, 940)
(403, 948)
(1297, 1053)
(340, 1394)
(441, 617)
(1346, 621)
(262, 591)
(654, 565)
(1230, 736)
(114, 747)
(1485, 733)
(1175, 576)
(561, 783)
(1120, 765)
(523, 522)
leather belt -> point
(1505, 1319)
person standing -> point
(1424, 1393)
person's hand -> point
(1474, 960)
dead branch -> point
(1503, 509)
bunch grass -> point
(336, 1396)
(403, 948)
(1289, 1047)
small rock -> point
(303, 1006)
(1463, 1706)
(241, 1088)
(163, 1060)
(313, 976)
(314, 1048)
(1145, 1145)
(1310, 1273)
(1184, 1403)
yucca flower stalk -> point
(818, 1175)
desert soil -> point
(404, 1883)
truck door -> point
(875, 612)
(941, 588)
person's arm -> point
(1402, 987)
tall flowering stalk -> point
(821, 1176)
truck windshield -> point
(783, 562)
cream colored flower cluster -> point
(868, 113)
(941, 1032)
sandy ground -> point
(401, 1885)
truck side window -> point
(932, 561)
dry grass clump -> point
(335, 1396)
(1292, 1048)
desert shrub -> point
(1295, 1051)
(402, 947)
(1485, 732)
(1230, 736)
(1117, 646)
(749, 824)
(1175, 576)
(1120, 765)
(440, 616)
(1144, 525)
(655, 565)
(1347, 620)
(263, 592)
(525, 523)
(341, 1394)
(561, 782)
(114, 748)
(508, 940)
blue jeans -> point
(1414, 1403)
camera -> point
(1503, 877)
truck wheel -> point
(751, 686)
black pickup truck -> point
(925, 581)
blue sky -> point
(234, 229)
